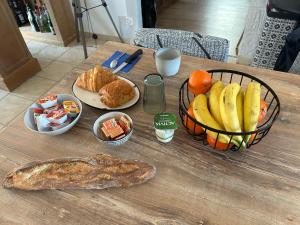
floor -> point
(56, 63)
(221, 18)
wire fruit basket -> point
(229, 76)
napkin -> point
(127, 68)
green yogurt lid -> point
(165, 121)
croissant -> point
(94, 79)
(116, 93)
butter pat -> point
(165, 126)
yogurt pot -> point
(165, 126)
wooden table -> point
(193, 185)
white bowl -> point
(108, 116)
(30, 124)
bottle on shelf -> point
(19, 11)
(45, 19)
(49, 21)
(32, 19)
(38, 19)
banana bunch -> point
(230, 109)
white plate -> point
(93, 98)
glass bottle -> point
(38, 20)
(44, 18)
(31, 19)
(50, 25)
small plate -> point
(93, 99)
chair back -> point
(189, 43)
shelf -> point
(62, 19)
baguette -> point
(96, 172)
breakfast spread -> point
(116, 93)
(115, 128)
(113, 92)
(49, 114)
(165, 126)
(96, 172)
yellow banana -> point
(229, 112)
(203, 115)
(240, 107)
(213, 101)
(251, 107)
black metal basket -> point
(229, 76)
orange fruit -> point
(199, 82)
(190, 124)
(251, 138)
(220, 145)
(263, 110)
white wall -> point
(127, 12)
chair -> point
(189, 43)
(271, 41)
(265, 34)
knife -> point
(129, 60)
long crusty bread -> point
(96, 172)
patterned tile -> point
(3, 93)
(73, 56)
(34, 46)
(51, 52)
(56, 70)
(34, 87)
(11, 106)
(44, 62)
(1, 127)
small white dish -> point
(29, 120)
(107, 116)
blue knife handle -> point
(134, 56)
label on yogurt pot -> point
(165, 121)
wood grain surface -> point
(193, 185)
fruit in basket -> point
(263, 110)
(240, 107)
(213, 100)
(203, 115)
(251, 138)
(229, 111)
(190, 124)
(219, 145)
(199, 82)
(251, 107)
